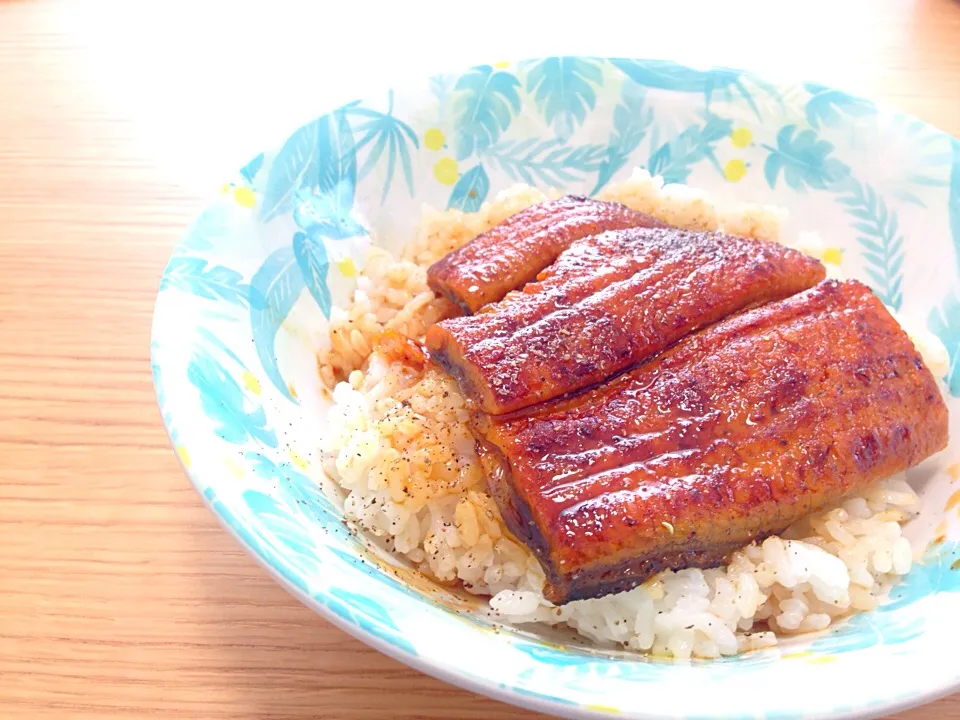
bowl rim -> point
(476, 682)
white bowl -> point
(245, 300)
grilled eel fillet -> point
(609, 302)
(731, 435)
(511, 254)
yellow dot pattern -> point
(251, 382)
(603, 708)
(434, 139)
(952, 501)
(244, 197)
(297, 460)
(347, 267)
(735, 170)
(741, 137)
(954, 471)
(184, 455)
(445, 171)
(832, 256)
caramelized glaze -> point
(610, 301)
(731, 435)
(511, 254)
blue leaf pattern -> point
(543, 697)
(674, 160)
(367, 614)
(631, 121)
(667, 75)
(251, 538)
(563, 89)
(470, 191)
(885, 625)
(318, 158)
(296, 164)
(295, 487)
(944, 322)
(319, 215)
(237, 418)
(879, 239)
(166, 414)
(356, 561)
(547, 162)
(250, 170)
(337, 181)
(804, 160)
(212, 225)
(387, 133)
(442, 85)
(311, 256)
(923, 153)
(192, 275)
(828, 107)
(484, 103)
(274, 290)
(211, 339)
(288, 540)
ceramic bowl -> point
(245, 299)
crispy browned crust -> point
(511, 254)
(731, 435)
(609, 302)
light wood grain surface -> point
(120, 596)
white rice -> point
(397, 441)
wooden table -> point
(120, 596)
